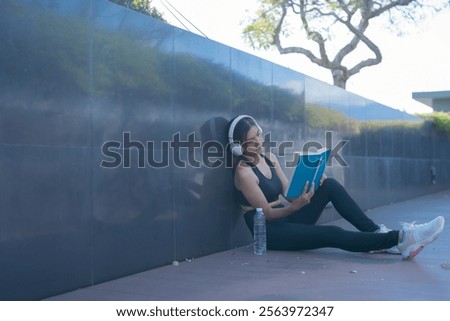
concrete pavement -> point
(325, 274)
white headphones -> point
(236, 148)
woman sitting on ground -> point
(260, 182)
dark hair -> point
(241, 129)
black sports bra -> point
(271, 188)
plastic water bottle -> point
(259, 232)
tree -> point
(326, 22)
(142, 6)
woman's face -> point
(253, 142)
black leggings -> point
(299, 232)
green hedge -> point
(440, 121)
(320, 117)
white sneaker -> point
(417, 236)
(392, 250)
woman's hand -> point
(304, 198)
(324, 177)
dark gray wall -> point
(76, 75)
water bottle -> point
(259, 232)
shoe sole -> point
(414, 253)
(424, 243)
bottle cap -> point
(259, 209)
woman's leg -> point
(332, 191)
(295, 237)
(289, 236)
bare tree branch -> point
(288, 50)
(393, 4)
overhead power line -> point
(166, 2)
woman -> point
(260, 181)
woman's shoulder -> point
(242, 167)
(243, 174)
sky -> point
(415, 62)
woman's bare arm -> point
(247, 182)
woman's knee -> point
(328, 184)
(331, 184)
(330, 181)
